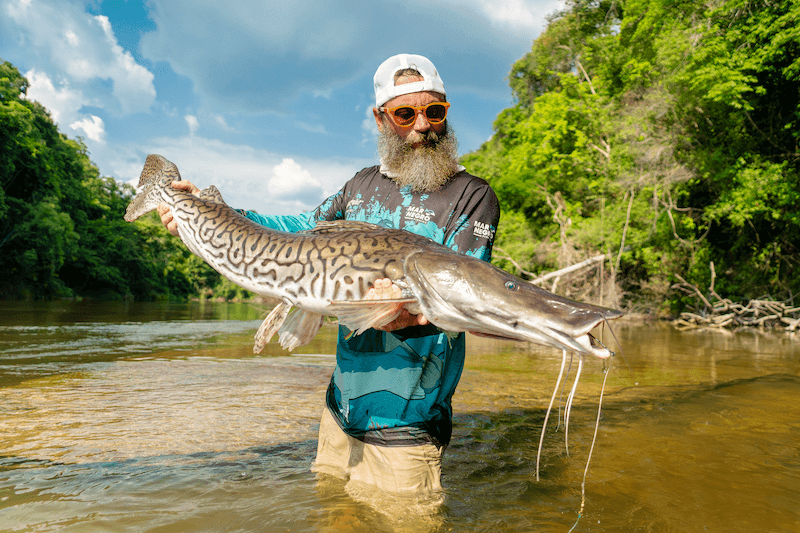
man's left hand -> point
(384, 289)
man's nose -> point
(421, 123)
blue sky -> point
(270, 101)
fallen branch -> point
(572, 268)
(718, 312)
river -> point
(157, 417)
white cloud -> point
(72, 38)
(73, 45)
(291, 181)
(220, 120)
(319, 49)
(65, 105)
(133, 84)
(311, 128)
(526, 17)
(63, 102)
(193, 124)
(369, 126)
(93, 127)
(243, 174)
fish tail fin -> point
(157, 173)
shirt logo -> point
(419, 214)
(352, 206)
(354, 203)
(482, 230)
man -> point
(388, 417)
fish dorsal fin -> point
(212, 194)
(325, 227)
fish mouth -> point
(597, 348)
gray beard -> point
(425, 168)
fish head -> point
(462, 293)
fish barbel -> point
(329, 269)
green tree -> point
(663, 133)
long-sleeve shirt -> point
(395, 388)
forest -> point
(654, 140)
(61, 229)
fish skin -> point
(329, 269)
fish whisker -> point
(564, 386)
(570, 399)
(549, 408)
(606, 372)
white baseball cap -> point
(385, 89)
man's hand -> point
(384, 289)
(166, 213)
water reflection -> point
(158, 417)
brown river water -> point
(158, 418)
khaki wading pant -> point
(400, 469)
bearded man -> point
(388, 417)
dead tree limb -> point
(572, 268)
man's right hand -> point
(166, 213)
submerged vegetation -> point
(660, 135)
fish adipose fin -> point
(362, 315)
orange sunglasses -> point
(405, 115)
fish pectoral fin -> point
(270, 326)
(299, 328)
(362, 315)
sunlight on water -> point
(140, 407)
(158, 417)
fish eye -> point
(512, 286)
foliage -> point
(673, 124)
(661, 133)
(61, 226)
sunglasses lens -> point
(436, 113)
(404, 115)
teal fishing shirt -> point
(395, 388)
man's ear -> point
(378, 120)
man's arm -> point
(383, 288)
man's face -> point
(412, 134)
(423, 155)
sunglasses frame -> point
(417, 110)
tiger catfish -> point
(329, 269)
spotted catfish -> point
(329, 269)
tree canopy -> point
(61, 227)
(663, 133)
